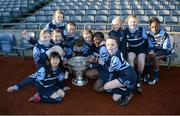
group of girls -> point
(117, 62)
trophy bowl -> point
(77, 66)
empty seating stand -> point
(93, 11)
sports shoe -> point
(146, 78)
(35, 99)
(139, 88)
(153, 81)
(124, 100)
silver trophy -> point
(77, 65)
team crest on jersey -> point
(42, 50)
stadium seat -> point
(76, 18)
(90, 12)
(164, 12)
(114, 12)
(101, 19)
(88, 19)
(170, 19)
(6, 42)
(102, 12)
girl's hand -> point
(25, 34)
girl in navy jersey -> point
(57, 22)
(120, 78)
(137, 47)
(117, 31)
(159, 48)
(88, 41)
(48, 81)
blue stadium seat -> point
(150, 12)
(143, 19)
(88, 19)
(93, 7)
(176, 29)
(83, 7)
(75, 7)
(91, 12)
(171, 19)
(76, 18)
(102, 12)
(136, 7)
(32, 26)
(101, 19)
(114, 12)
(126, 12)
(6, 42)
(169, 7)
(49, 13)
(158, 7)
(41, 19)
(176, 12)
(138, 12)
(69, 12)
(104, 7)
(99, 27)
(164, 12)
(80, 12)
(111, 17)
(31, 19)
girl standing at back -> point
(137, 47)
(118, 32)
(57, 22)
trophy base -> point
(79, 82)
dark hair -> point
(99, 35)
(114, 38)
(78, 42)
(154, 19)
(71, 23)
(48, 64)
(57, 31)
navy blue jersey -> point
(90, 48)
(159, 41)
(122, 70)
(39, 55)
(46, 79)
(53, 25)
(136, 37)
(52, 43)
(83, 51)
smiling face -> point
(45, 39)
(116, 24)
(58, 17)
(132, 22)
(155, 27)
(87, 37)
(57, 37)
(111, 45)
(55, 61)
(71, 29)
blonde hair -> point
(117, 19)
(43, 31)
(57, 12)
(132, 16)
(87, 31)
